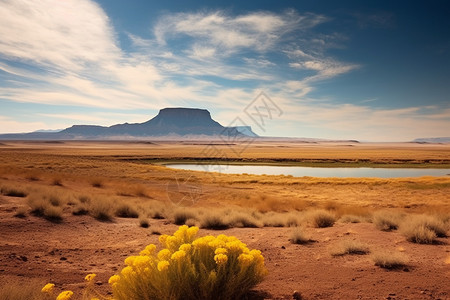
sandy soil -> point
(65, 253)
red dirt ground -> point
(64, 253)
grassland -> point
(114, 185)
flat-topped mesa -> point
(183, 117)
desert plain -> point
(70, 208)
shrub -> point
(13, 192)
(37, 205)
(21, 212)
(423, 229)
(53, 214)
(214, 221)
(181, 215)
(241, 219)
(143, 222)
(124, 210)
(101, 210)
(351, 219)
(322, 218)
(80, 210)
(390, 260)
(387, 221)
(298, 236)
(350, 247)
(188, 268)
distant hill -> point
(433, 140)
(169, 122)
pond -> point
(298, 171)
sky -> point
(365, 70)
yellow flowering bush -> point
(187, 267)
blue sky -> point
(366, 70)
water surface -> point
(298, 171)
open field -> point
(72, 208)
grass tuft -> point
(390, 260)
(423, 229)
(21, 212)
(181, 215)
(13, 192)
(350, 247)
(214, 221)
(386, 220)
(321, 218)
(124, 210)
(101, 210)
(298, 236)
(144, 223)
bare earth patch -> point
(64, 253)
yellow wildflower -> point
(164, 254)
(66, 295)
(127, 271)
(178, 255)
(163, 265)
(221, 251)
(129, 261)
(163, 238)
(257, 256)
(220, 259)
(141, 261)
(181, 232)
(216, 243)
(149, 250)
(185, 247)
(90, 277)
(113, 279)
(245, 259)
(48, 288)
(191, 232)
(236, 246)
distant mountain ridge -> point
(169, 122)
(433, 140)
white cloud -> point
(258, 31)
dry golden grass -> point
(299, 236)
(352, 219)
(349, 247)
(30, 289)
(321, 218)
(390, 260)
(423, 229)
(387, 220)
